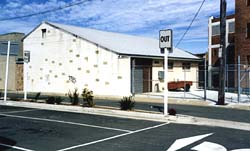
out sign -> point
(166, 38)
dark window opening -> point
(170, 65)
(43, 33)
(248, 30)
(248, 59)
(156, 62)
(248, 2)
(186, 66)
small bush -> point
(58, 100)
(127, 103)
(50, 100)
(171, 111)
(1, 94)
(74, 97)
(87, 97)
(37, 96)
(54, 100)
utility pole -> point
(221, 94)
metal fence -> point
(204, 78)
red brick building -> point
(237, 43)
(242, 30)
(214, 47)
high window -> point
(186, 66)
(216, 30)
(43, 33)
(231, 27)
(170, 65)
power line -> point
(45, 12)
(197, 13)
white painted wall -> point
(176, 74)
(60, 55)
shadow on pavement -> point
(7, 142)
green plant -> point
(58, 100)
(50, 100)
(37, 96)
(54, 100)
(127, 103)
(87, 97)
(74, 97)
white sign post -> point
(26, 61)
(166, 43)
(7, 72)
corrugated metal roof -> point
(122, 43)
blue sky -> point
(136, 17)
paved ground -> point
(33, 129)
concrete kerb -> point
(95, 111)
(179, 119)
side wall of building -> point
(60, 62)
(242, 18)
(12, 74)
(175, 74)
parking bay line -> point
(15, 147)
(66, 122)
(19, 111)
(113, 137)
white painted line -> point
(113, 137)
(183, 142)
(65, 122)
(209, 146)
(15, 147)
(19, 111)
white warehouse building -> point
(64, 57)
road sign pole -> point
(166, 81)
(166, 44)
(7, 72)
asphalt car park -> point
(43, 130)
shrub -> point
(87, 97)
(1, 94)
(127, 103)
(74, 97)
(37, 96)
(54, 100)
(171, 111)
(58, 100)
(50, 100)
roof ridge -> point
(99, 30)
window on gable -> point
(43, 33)
(248, 30)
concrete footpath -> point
(136, 114)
